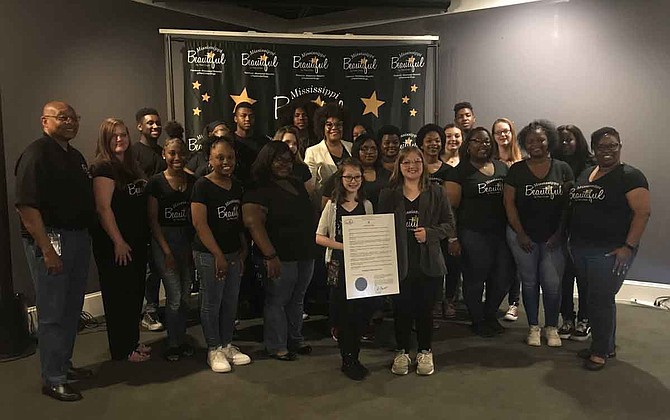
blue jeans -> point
(218, 298)
(595, 268)
(153, 281)
(568, 290)
(284, 300)
(542, 267)
(177, 282)
(486, 260)
(60, 298)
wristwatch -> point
(629, 246)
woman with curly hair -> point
(535, 198)
(324, 157)
(573, 150)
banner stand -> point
(371, 74)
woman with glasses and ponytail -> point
(350, 316)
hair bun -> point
(174, 130)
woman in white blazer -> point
(323, 158)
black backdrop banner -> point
(378, 85)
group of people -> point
(509, 214)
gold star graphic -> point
(197, 111)
(263, 57)
(205, 97)
(405, 99)
(318, 101)
(242, 97)
(372, 104)
(364, 61)
(315, 60)
(411, 59)
(196, 85)
(413, 88)
(412, 112)
(210, 55)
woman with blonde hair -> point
(120, 240)
(423, 218)
(508, 150)
(509, 153)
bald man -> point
(54, 198)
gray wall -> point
(586, 62)
(104, 57)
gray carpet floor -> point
(499, 378)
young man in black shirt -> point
(54, 198)
(146, 151)
(245, 120)
(149, 155)
(464, 117)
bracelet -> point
(629, 246)
(452, 240)
(270, 257)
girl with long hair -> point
(350, 316)
(120, 240)
(423, 218)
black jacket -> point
(437, 218)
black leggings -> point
(351, 317)
(122, 290)
(414, 304)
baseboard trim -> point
(632, 292)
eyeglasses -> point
(417, 162)
(330, 125)
(608, 147)
(481, 142)
(368, 150)
(64, 118)
(502, 132)
(350, 178)
(282, 160)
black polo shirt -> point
(56, 182)
(150, 158)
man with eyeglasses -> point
(54, 199)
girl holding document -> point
(423, 218)
(349, 316)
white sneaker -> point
(235, 356)
(512, 313)
(424, 363)
(150, 322)
(217, 361)
(533, 338)
(553, 340)
(305, 316)
(582, 331)
(401, 363)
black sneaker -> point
(186, 350)
(566, 329)
(482, 329)
(582, 331)
(173, 354)
(495, 326)
(354, 370)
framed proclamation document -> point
(370, 259)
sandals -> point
(137, 357)
(143, 348)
